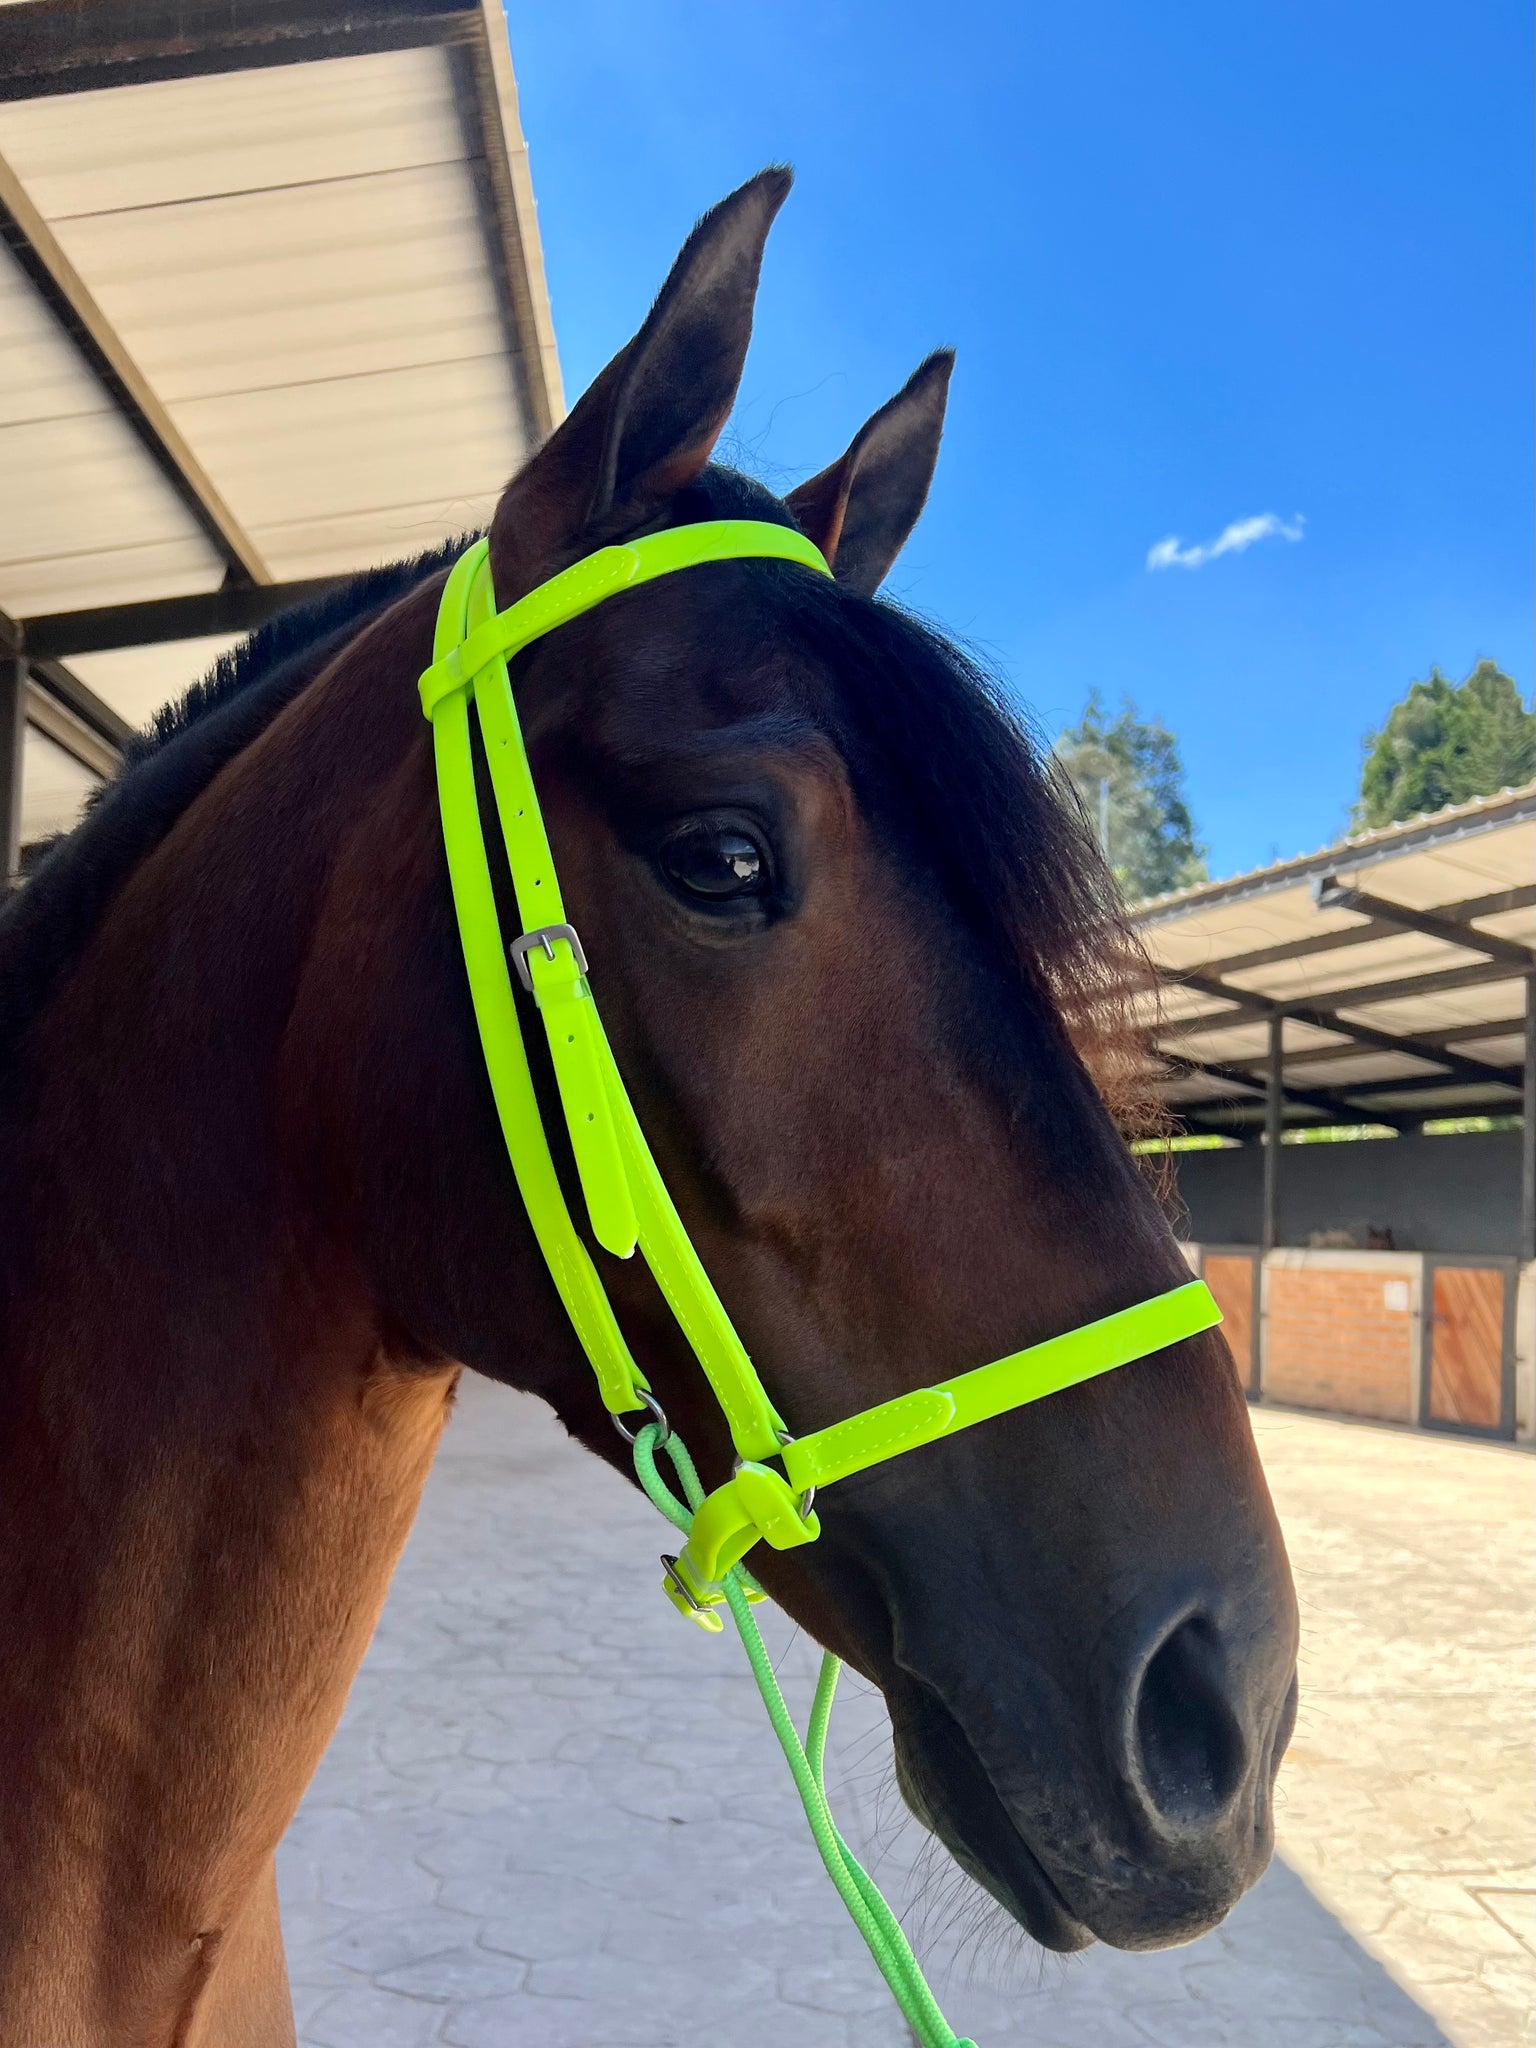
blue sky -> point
(1201, 264)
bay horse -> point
(858, 959)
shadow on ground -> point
(555, 1815)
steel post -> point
(1528, 1133)
(1274, 1131)
(13, 741)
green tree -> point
(1445, 743)
(1128, 773)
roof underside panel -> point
(54, 788)
(96, 153)
(295, 258)
(1457, 1011)
(1468, 864)
(84, 510)
(1313, 978)
(1414, 1015)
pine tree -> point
(1128, 773)
(1445, 743)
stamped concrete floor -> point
(554, 1815)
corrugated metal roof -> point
(1397, 962)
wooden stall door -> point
(1229, 1276)
(1466, 1349)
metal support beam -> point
(97, 342)
(1335, 1105)
(68, 730)
(1528, 1131)
(1425, 1045)
(45, 694)
(1251, 1008)
(1214, 1127)
(1329, 893)
(45, 675)
(1251, 1069)
(1482, 1027)
(1274, 1133)
(1491, 904)
(149, 621)
(1456, 1064)
(54, 48)
(485, 96)
(13, 735)
(1423, 1084)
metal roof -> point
(1392, 971)
(272, 309)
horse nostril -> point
(1189, 1750)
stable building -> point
(1380, 994)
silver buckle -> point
(674, 1579)
(545, 938)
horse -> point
(864, 972)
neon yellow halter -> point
(768, 1497)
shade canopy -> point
(1392, 967)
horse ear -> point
(861, 510)
(648, 423)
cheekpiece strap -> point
(626, 1199)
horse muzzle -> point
(1141, 1825)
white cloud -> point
(1242, 533)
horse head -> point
(862, 968)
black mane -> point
(932, 729)
(294, 632)
(932, 737)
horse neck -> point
(209, 1452)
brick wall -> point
(1341, 1332)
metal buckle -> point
(678, 1583)
(659, 1414)
(704, 1612)
(545, 937)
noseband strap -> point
(768, 1497)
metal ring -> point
(658, 1413)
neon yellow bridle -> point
(768, 1497)
(625, 1197)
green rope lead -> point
(807, 1762)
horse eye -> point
(714, 862)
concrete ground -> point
(554, 1814)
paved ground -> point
(554, 1814)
